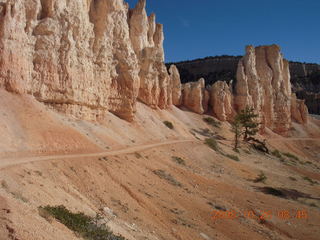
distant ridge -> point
(305, 77)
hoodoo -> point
(85, 58)
(263, 82)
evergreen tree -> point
(247, 119)
(236, 129)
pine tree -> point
(247, 119)
(236, 129)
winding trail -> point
(8, 162)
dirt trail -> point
(7, 162)
(294, 139)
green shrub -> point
(167, 176)
(261, 178)
(233, 157)
(312, 182)
(80, 223)
(290, 155)
(278, 154)
(179, 160)
(212, 122)
(212, 143)
(168, 124)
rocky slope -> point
(305, 77)
(147, 181)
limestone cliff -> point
(83, 57)
(194, 96)
(305, 77)
(222, 101)
(263, 82)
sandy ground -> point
(50, 159)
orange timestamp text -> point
(260, 214)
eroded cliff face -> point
(263, 82)
(83, 57)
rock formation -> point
(194, 96)
(87, 57)
(147, 40)
(83, 57)
(263, 82)
(175, 85)
(305, 77)
(299, 110)
(221, 101)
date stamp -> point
(261, 215)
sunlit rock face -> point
(221, 101)
(87, 57)
(147, 41)
(83, 57)
(175, 85)
(299, 111)
(193, 94)
(263, 82)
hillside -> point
(100, 141)
(150, 182)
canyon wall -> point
(87, 57)
(262, 82)
(305, 77)
(83, 57)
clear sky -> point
(200, 28)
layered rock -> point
(299, 111)
(175, 85)
(221, 101)
(195, 97)
(263, 82)
(147, 40)
(83, 57)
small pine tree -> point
(236, 129)
(247, 118)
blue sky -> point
(195, 29)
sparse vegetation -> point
(212, 122)
(103, 159)
(212, 143)
(179, 160)
(276, 153)
(80, 223)
(292, 178)
(236, 129)
(167, 176)
(247, 119)
(19, 196)
(273, 191)
(138, 155)
(4, 184)
(261, 178)
(312, 182)
(292, 156)
(233, 157)
(168, 124)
